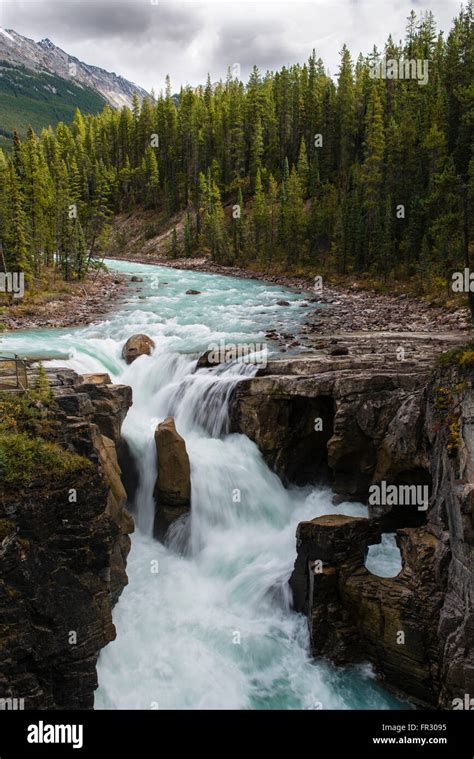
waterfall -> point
(206, 620)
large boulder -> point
(137, 345)
(173, 484)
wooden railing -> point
(13, 373)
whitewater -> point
(206, 620)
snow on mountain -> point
(17, 50)
(5, 34)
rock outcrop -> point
(326, 417)
(173, 484)
(355, 616)
(360, 421)
(137, 345)
(449, 427)
(63, 548)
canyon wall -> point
(358, 421)
(64, 541)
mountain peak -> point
(6, 34)
(46, 56)
(46, 43)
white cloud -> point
(144, 41)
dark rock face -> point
(63, 551)
(173, 484)
(137, 345)
(103, 403)
(398, 423)
(450, 431)
(356, 616)
(329, 415)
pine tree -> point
(187, 239)
(372, 173)
(15, 241)
(174, 244)
(303, 169)
(259, 217)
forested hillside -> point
(37, 98)
(360, 174)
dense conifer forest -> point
(363, 173)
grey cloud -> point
(188, 38)
(78, 18)
(129, 20)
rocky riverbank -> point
(334, 313)
(70, 305)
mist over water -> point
(206, 620)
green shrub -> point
(151, 231)
(463, 355)
(41, 391)
(23, 460)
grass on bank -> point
(45, 289)
(463, 355)
(25, 460)
(28, 451)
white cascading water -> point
(206, 621)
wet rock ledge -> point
(64, 542)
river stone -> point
(137, 345)
(97, 379)
(204, 361)
(172, 492)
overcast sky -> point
(143, 40)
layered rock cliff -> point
(64, 540)
(357, 421)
